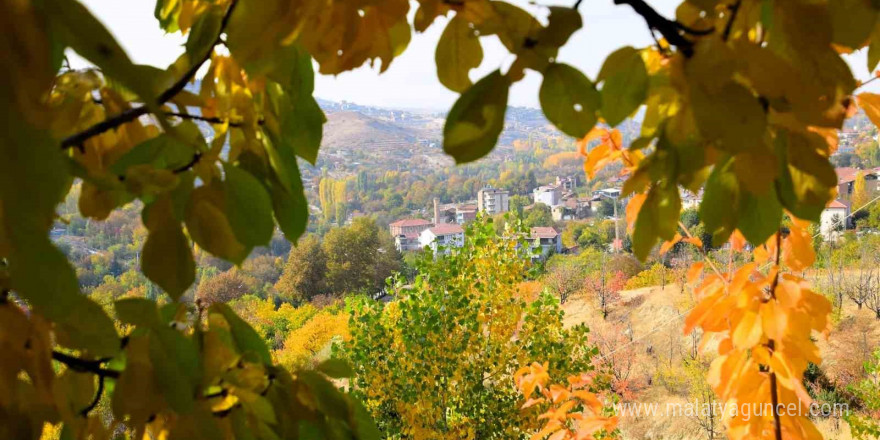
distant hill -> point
(352, 129)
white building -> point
(549, 195)
(493, 201)
(834, 219)
(446, 235)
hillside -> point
(352, 129)
(643, 344)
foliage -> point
(657, 274)
(859, 195)
(564, 277)
(188, 378)
(573, 412)
(538, 215)
(763, 322)
(272, 323)
(785, 87)
(309, 344)
(305, 271)
(866, 426)
(358, 258)
(224, 287)
(438, 361)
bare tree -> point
(605, 286)
(836, 286)
(565, 279)
(862, 283)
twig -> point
(195, 159)
(873, 78)
(85, 365)
(734, 9)
(692, 31)
(704, 254)
(133, 113)
(771, 344)
(85, 412)
(668, 28)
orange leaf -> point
(632, 209)
(669, 244)
(694, 272)
(797, 249)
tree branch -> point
(85, 412)
(85, 365)
(671, 30)
(771, 344)
(734, 9)
(195, 159)
(133, 113)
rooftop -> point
(544, 232)
(836, 204)
(412, 222)
(446, 229)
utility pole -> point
(616, 226)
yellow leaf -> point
(748, 331)
(870, 103)
(797, 249)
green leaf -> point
(657, 219)
(458, 51)
(166, 12)
(175, 361)
(291, 209)
(163, 151)
(807, 179)
(874, 48)
(739, 124)
(759, 216)
(625, 84)
(89, 38)
(477, 118)
(203, 33)
(246, 338)
(248, 207)
(38, 271)
(335, 368)
(167, 258)
(364, 426)
(569, 99)
(288, 196)
(208, 225)
(719, 208)
(140, 312)
(302, 120)
(852, 21)
(562, 23)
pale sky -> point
(411, 81)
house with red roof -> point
(406, 233)
(846, 179)
(547, 238)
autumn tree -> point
(356, 258)
(224, 287)
(860, 195)
(305, 272)
(564, 277)
(438, 361)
